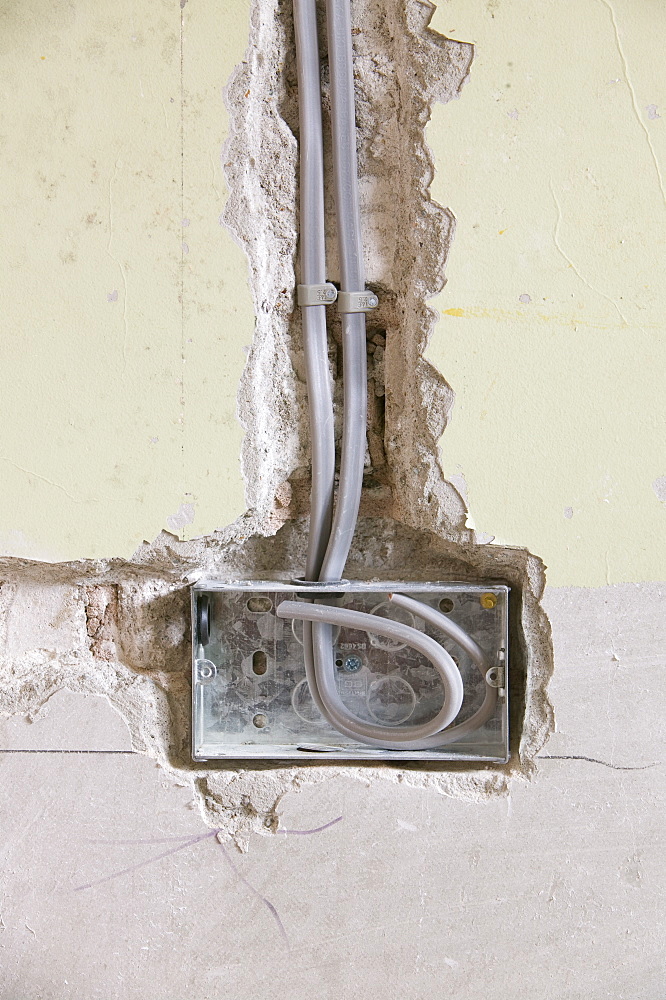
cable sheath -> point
(327, 687)
(430, 735)
(313, 272)
(352, 279)
(332, 528)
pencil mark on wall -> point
(317, 829)
(595, 760)
(181, 843)
(267, 903)
(149, 861)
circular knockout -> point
(395, 614)
(304, 706)
(391, 700)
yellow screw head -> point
(488, 600)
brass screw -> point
(488, 601)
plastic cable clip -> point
(316, 295)
(357, 302)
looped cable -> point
(331, 533)
(328, 693)
(321, 673)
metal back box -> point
(251, 698)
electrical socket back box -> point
(251, 699)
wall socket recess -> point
(250, 698)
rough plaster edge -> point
(402, 68)
(127, 633)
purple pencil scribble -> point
(317, 829)
(194, 837)
(143, 840)
(149, 861)
(274, 913)
(181, 843)
(112, 296)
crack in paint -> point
(565, 256)
(634, 102)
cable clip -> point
(316, 295)
(357, 302)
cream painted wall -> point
(553, 333)
(126, 308)
(125, 304)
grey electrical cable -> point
(317, 637)
(313, 272)
(330, 537)
(474, 651)
(352, 279)
(327, 697)
(334, 540)
(438, 656)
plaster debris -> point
(101, 609)
(120, 628)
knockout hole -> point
(446, 605)
(259, 664)
(259, 605)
